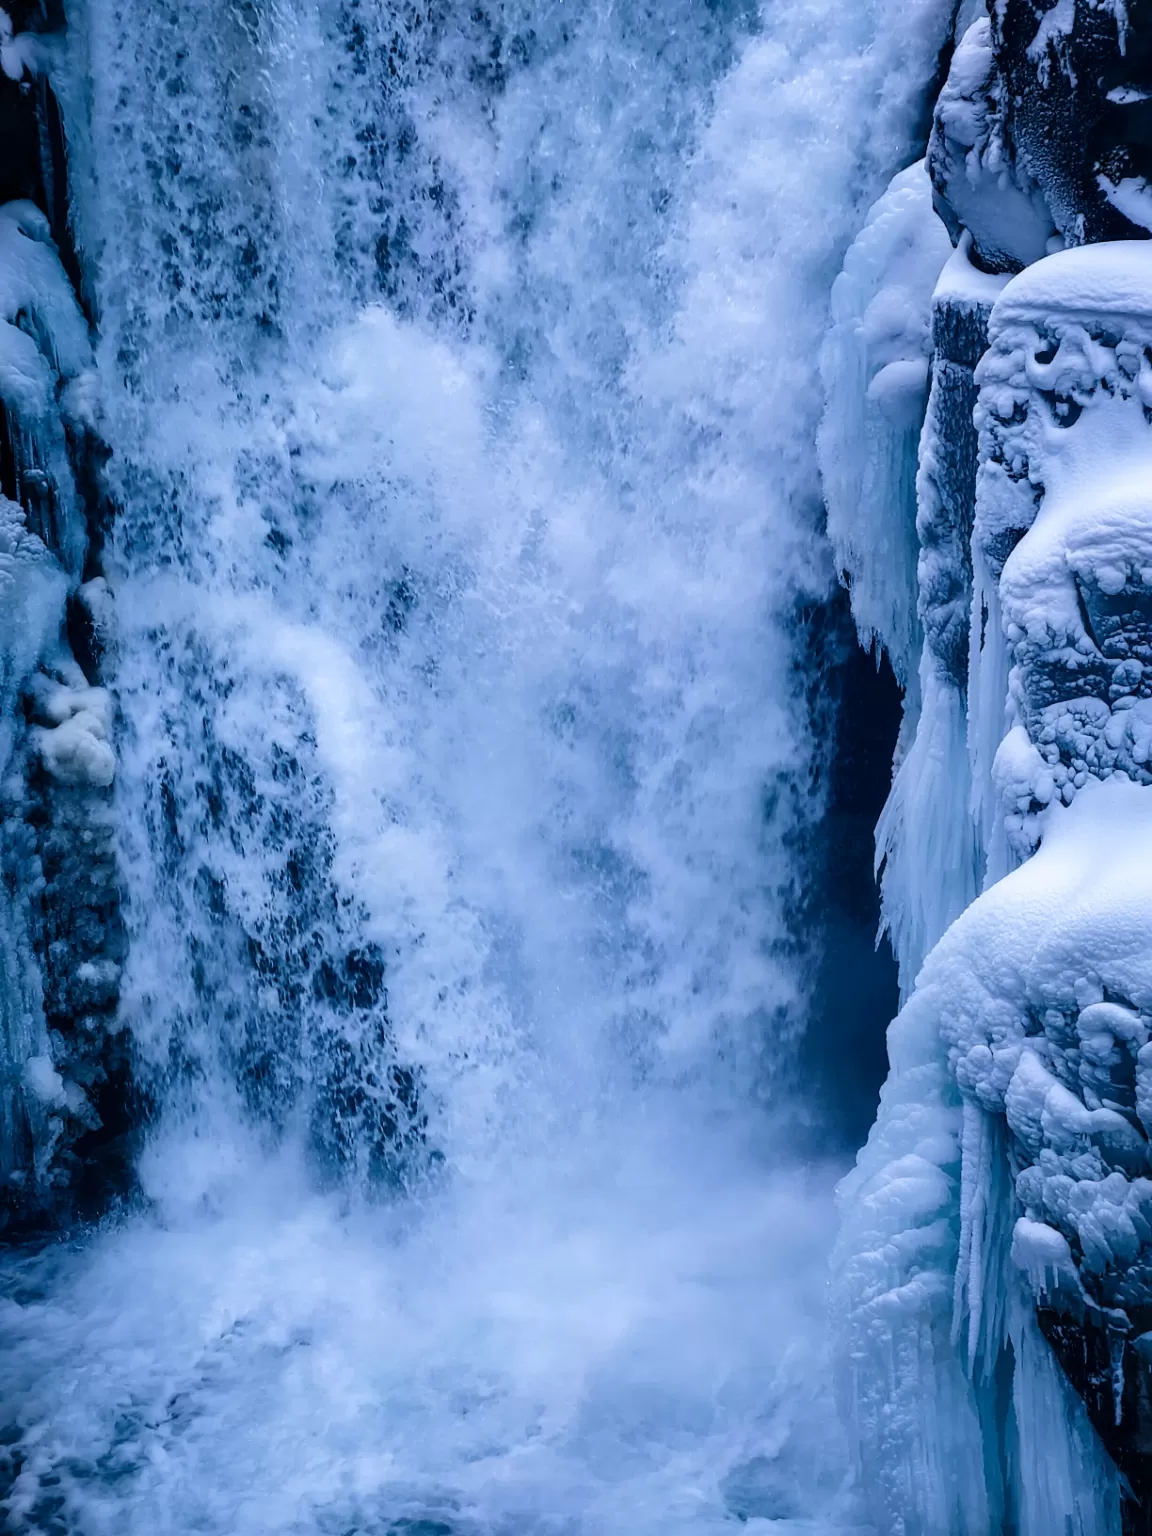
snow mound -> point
(1111, 278)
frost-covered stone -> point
(980, 189)
(1076, 75)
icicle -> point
(925, 850)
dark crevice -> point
(856, 991)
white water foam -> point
(457, 585)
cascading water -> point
(459, 368)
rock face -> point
(995, 1266)
(1077, 89)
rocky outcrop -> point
(995, 1266)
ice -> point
(993, 1269)
(927, 849)
(986, 1034)
(1037, 991)
(44, 347)
(930, 852)
(32, 592)
(33, 284)
(874, 364)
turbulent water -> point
(459, 370)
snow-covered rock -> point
(994, 1273)
(1064, 524)
(979, 187)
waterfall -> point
(459, 371)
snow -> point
(1131, 195)
(1051, 35)
(1024, 992)
(964, 285)
(1061, 534)
(42, 1079)
(1044, 1255)
(24, 54)
(1111, 278)
(71, 737)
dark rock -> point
(1078, 109)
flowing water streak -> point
(460, 374)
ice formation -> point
(875, 365)
(60, 940)
(992, 1274)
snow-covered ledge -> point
(998, 1225)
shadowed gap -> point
(855, 991)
